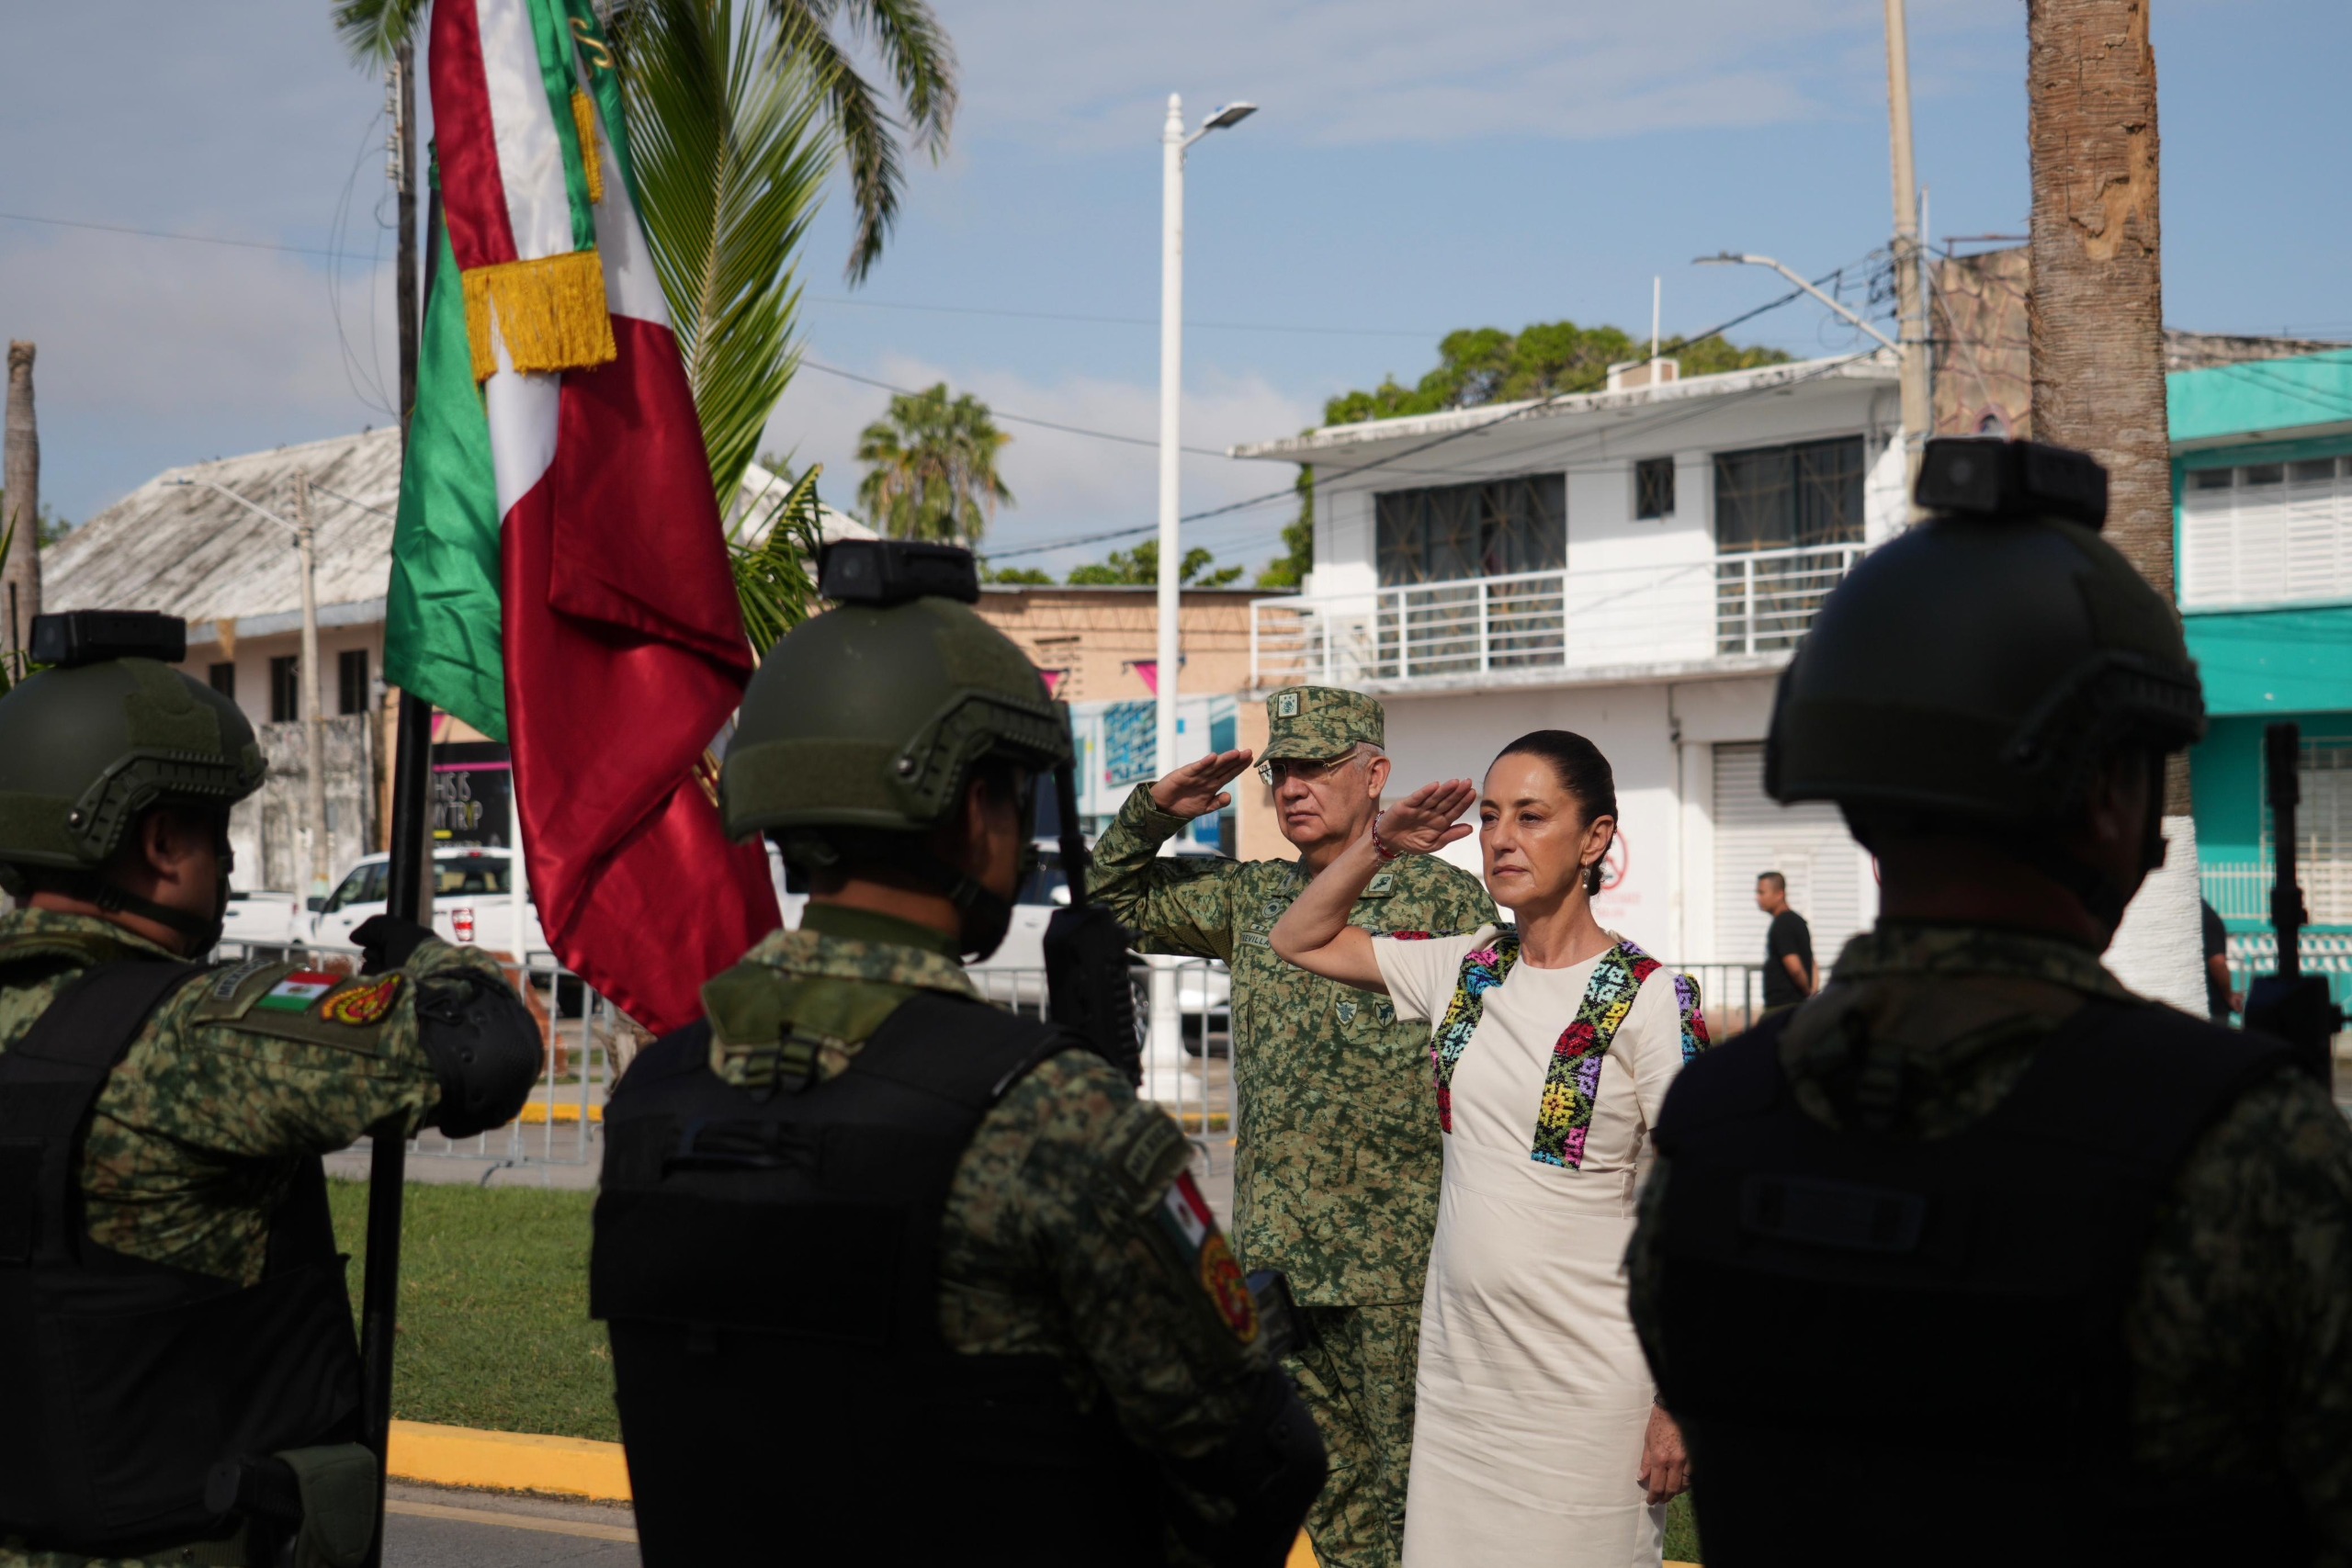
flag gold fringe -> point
(583, 117)
(551, 313)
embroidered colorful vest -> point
(1573, 1080)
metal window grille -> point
(351, 680)
(284, 705)
(1653, 488)
(1451, 532)
(223, 678)
(1802, 502)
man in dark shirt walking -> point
(1787, 946)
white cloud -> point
(1068, 484)
(1356, 71)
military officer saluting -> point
(1975, 1257)
(894, 1276)
(1339, 1150)
(171, 1300)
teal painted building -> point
(2261, 517)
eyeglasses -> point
(1276, 770)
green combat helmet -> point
(863, 725)
(106, 731)
(1972, 671)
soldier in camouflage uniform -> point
(1338, 1154)
(894, 1276)
(1976, 1251)
(170, 1297)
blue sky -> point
(1414, 168)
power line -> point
(1015, 418)
(168, 234)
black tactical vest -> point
(1884, 1347)
(768, 1264)
(126, 1381)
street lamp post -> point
(1166, 1025)
(314, 732)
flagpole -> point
(405, 896)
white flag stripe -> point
(530, 158)
(631, 286)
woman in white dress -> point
(1537, 1440)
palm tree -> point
(931, 468)
(914, 49)
(2095, 318)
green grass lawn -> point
(494, 1320)
(1681, 1531)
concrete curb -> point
(539, 1112)
(508, 1461)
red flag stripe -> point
(473, 195)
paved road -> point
(429, 1527)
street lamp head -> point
(1721, 258)
(1231, 114)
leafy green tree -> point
(808, 37)
(1544, 359)
(52, 527)
(1019, 576)
(1141, 566)
(1290, 570)
(931, 468)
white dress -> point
(1533, 1398)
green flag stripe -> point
(441, 616)
(551, 32)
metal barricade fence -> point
(1188, 1067)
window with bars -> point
(1653, 489)
(284, 700)
(351, 680)
(1778, 498)
(2266, 532)
(1448, 533)
(2322, 831)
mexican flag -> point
(560, 579)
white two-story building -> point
(1635, 565)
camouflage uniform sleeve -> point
(2241, 1335)
(254, 1077)
(1147, 1293)
(1181, 905)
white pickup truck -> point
(473, 901)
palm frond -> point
(373, 29)
(730, 161)
(771, 575)
(921, 61)
(7, 538)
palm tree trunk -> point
(2094, 323)
(20, 475)
(2096, 312)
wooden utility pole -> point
(2095, 313)
(20, 476)
(315, 712)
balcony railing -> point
(2240, 890)
(1759, 602)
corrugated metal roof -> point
(187, 551)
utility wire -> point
(809, 363)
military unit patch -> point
(1185, 1215)
(298, 991)
(363, 1004)
(225, 988)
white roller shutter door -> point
(1807, 844)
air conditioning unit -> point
(1631, 373)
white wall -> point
(254, 654)
(1456, 736)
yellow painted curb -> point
(539, 1112)
(508, 1461)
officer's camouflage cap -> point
(1312, 723)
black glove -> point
(388, 943)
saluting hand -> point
(1198, 788)
(1424, 821)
